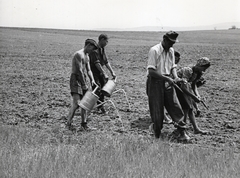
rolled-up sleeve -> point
(174, 66)
(152, 56)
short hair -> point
(91, 42)
(103, 36)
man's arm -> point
(194, 88)
(95, 59)
(90, 74)
(153, 73)
(100, 68)
(108, 65)
(175, 76)
(152, 56)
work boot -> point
(167, 120)
(86, 127)
(199, 131)
(181, 127)
(183, 135)
(69, 125)
(151, 129)
(180, 124)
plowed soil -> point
(35, 71)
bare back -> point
(79, 62)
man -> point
(98, 59)
(78, 84)
(160, 90)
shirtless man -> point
(78, 85)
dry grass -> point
(34, 153)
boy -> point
(78, 85)
(190, 94)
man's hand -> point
(105, 77)
(84, 91)
(93, 83)
(114, 75)
(197, 99)
(170, 80)
(176, 80)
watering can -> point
(89, 100)
(109, 87)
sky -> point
(97, 14)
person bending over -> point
(188, 97)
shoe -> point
(69, 125)
(86, 127)
(180, 124)
(199, 131)
(152, 132)
(183, 136)
(167, 120)
(150, 128)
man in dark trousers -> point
(160, 90)
(98, 59)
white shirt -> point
(160, 60)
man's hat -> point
(172, 36)
(92, 42)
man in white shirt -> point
(160, 90)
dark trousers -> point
(158, 97)
(100, 82)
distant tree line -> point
(233, 27)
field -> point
(35, 71)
